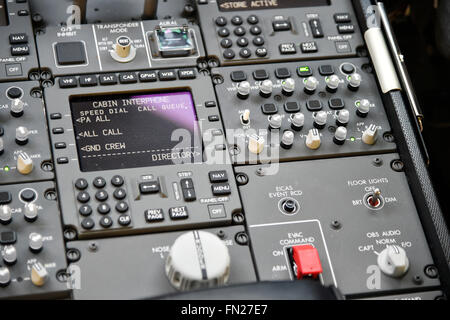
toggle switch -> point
(287, 140)
(5, 215)
(343, 117)
(39, 274)
(5, 277)
(123, 50)
(17, 107)
(297, 121)
(340, 135)
(243, 90)
(313, 139)
(332, 83)
(9, 255)
(370, 135)
(354, 81)
(35, 242)
(320, 119)
(311, 84)
(374, 199)
(256, 144)
(288, 87)
(22, 135)
(393, 261)
(24, 163)
(245, 117)
(275, 122)
(363, 108)
(266, 88)
(30, 212)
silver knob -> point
(275, 121)
(311, 85)
(5, 276)
(333, 82)
(35, 242)
(9, 255)
(30, 212)
(287, 140)
(2, 146)
(243, 89)
(343, 117)
(320, 119)
(266, 88)
(17, 106)
(297, 121)
(22, 134)
(288, 87)
(340, 135)
(5, 215)
(363, 108)
(354, 81)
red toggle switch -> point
(307, 259)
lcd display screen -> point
(240, 5)
(135, 130)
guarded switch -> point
(307, 261)
(393, 261)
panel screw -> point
(417, 280)
(47, 83)
(377, 162)
(241, 179)
(221, 234)
(73, 255)
(238, 218)
(50, 195)
(213, 63)
(36, 93)
(62, 276)
(93, 246)
(388, 137)
(69, 234)
(34, 76)
(336, 224)
(242, 238)
(47, 166)
(431, 272)
(397, 165)
(217, 79)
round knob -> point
(393, 261)
(198, 259)
(320, 119)
(354, 81)
(313, 139)
(363, 108)
(5, 215)
(297, 121)
(35, 242)
(256, 144)
(243, 89)
(22, 134)
(39, 274)
(340, 135)
(275, 121)
(123, 46)
(245, 117)
(30, 212)
(5, 276)
(288, 87)
(17, 108)
(287, 140)
(311, 84)
(370, 135)
(9, 255)
(2, 146)
(343, 117)
(333, 83)
(266, 88)
(24, 163)
(289, 206)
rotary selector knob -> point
(30, 212)
(320, 119)
(123, 50)
(5, 215)
(24, 163)
(287, 140)
(311, 84)
(5, 276)
(243, 90)
(393, 261)
(256, 144)
(288, 87)
(266, 88)
(297, 121)
(343, 117)
(198, 259)
(313, 140)
(275, 121)
(2, 146)
(10, 255)
(370, 135)
(35, 242)
(22, 134)
(363, 108)
(17, 107)
(245, 117)
(340, 135)
(354, 81)
(333, 83)
(39, 274)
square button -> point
(314, 105)
(70, 53)
(269, 108)
(282, 73)
(261, 74)
(8, 237)
(217, 211)
(5, 197)
(238, 76)
(336, 104)
(291, 107)
(326, 70)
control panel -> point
(347, 222)
(24, 145)
(32, 248)
(248, 32)
(302, 110)
(18, 51)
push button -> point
(108, 79)
(154, 215)
(291, 107)
(316, 28)
(186, 74)
(189, 195)
(178, 213)
(288, 48)
(326, 70)
(88, 81)
(187, 183)
(238, 76)
(346, 28)
(309, 47)
(217, 211)
(281, 25)
(260, 75)
(167, 75)
(67, 82)
(127, 78)
(269, 108)
(20, 50)
(148, 76)
(149, 187)
(282, 73)
(342, 17)
(5, 197)
(18, 38)
(307, 261)
(218, 176)
(314, 105)
(221, 189)
(304, 71)
(70, 53)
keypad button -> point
(287, 48)
(239, 31)
(245, 53)
(81, 184)
(106, 222)
(83, 197)
(149, 187)
(346, 28)
(261, 52)
(187, 183)
(14, 93)
(189, 195)
(101, 195)
(309, 47)
(237, 20)
(120, 194)
(218, 176)
(108, 79)
(88, 81)
(221, 21)
(122, 207)
(281, 25)
(99, 182)
(242, 42)
(258, 41)
(103, 208)
(28, 195)
(117, 181)
(342, 17)
(60, 145)
(255, 30)
(154, 215)
(226, 43)
(85, 210)
(124, 220)
(316, 28)
(87, 223)
(17, 38)
(252, 19)
(223, 32)
(229, 54)
(269, 108)
(221, 189)
(177, 213)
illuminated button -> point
(343, 117)
(354, 81)
(256, 144)
(304, 71)
(320, 119)
(9, 255)
(363, 108)
(393, 261)
(288, 87)
(39, 274)
(22, 135)
(5, 215)
(24, 164)
(30, 212)
(313, 140)
(35, 242)
(297, 121)
(17, 106)
(370, 135)
(311, 84)
(340, 135)
(307, 261)
(287, 140)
